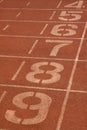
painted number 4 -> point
(77, 4)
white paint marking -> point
(34, 44)
(28, 3)
(27, 57)
(41, 88)
(59, 4)
(38, 21)
(40, 37)
(2, 96)
(38, 9)
(18, 14)
(6, 27)
(43, 29)
(70, 82)
(44, 58)
(58, 41)
(18, 71)
(51, 17)
(1, 1)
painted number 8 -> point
(54, 74)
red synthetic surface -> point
(43, 65)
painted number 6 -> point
(64, 30)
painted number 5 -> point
(42, 108)
(70, 15)
(53, 74)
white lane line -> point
(42, 58)
(28, 3)
(51, 17)
(59, 124)
(2, 96)
(1, 1)
(43, 29)
(78, 91)
(42, 88)
(18, 14)
(40, 37)
(34, 44)
(81, 43)
(24, 86)
(6, 27)
(54, 12)
(38, 21)
(58, 41)
(59, 4)
(38, 9)
(18, 70)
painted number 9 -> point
(42, 108)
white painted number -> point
(70, 15)
(78, 4)
(42, 108)
(36, 70)
(56, 48)
(59, 30)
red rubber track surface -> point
(43, 65)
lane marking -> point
(42, 88)
(24, 86)
(27, 57)
(1, 1)
(44, 28)
(32, 48)
(59, 4)
(70, 82)
(54, 12)
(39, 21)
(28, 3)
(42, 58)
(51, 17)
(38, 9)
(40, 37)
(18, 14)
(18, 70)
(6, 27)
(2, 96)
(57, 41)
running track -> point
(43, 65)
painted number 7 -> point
(57, 47)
